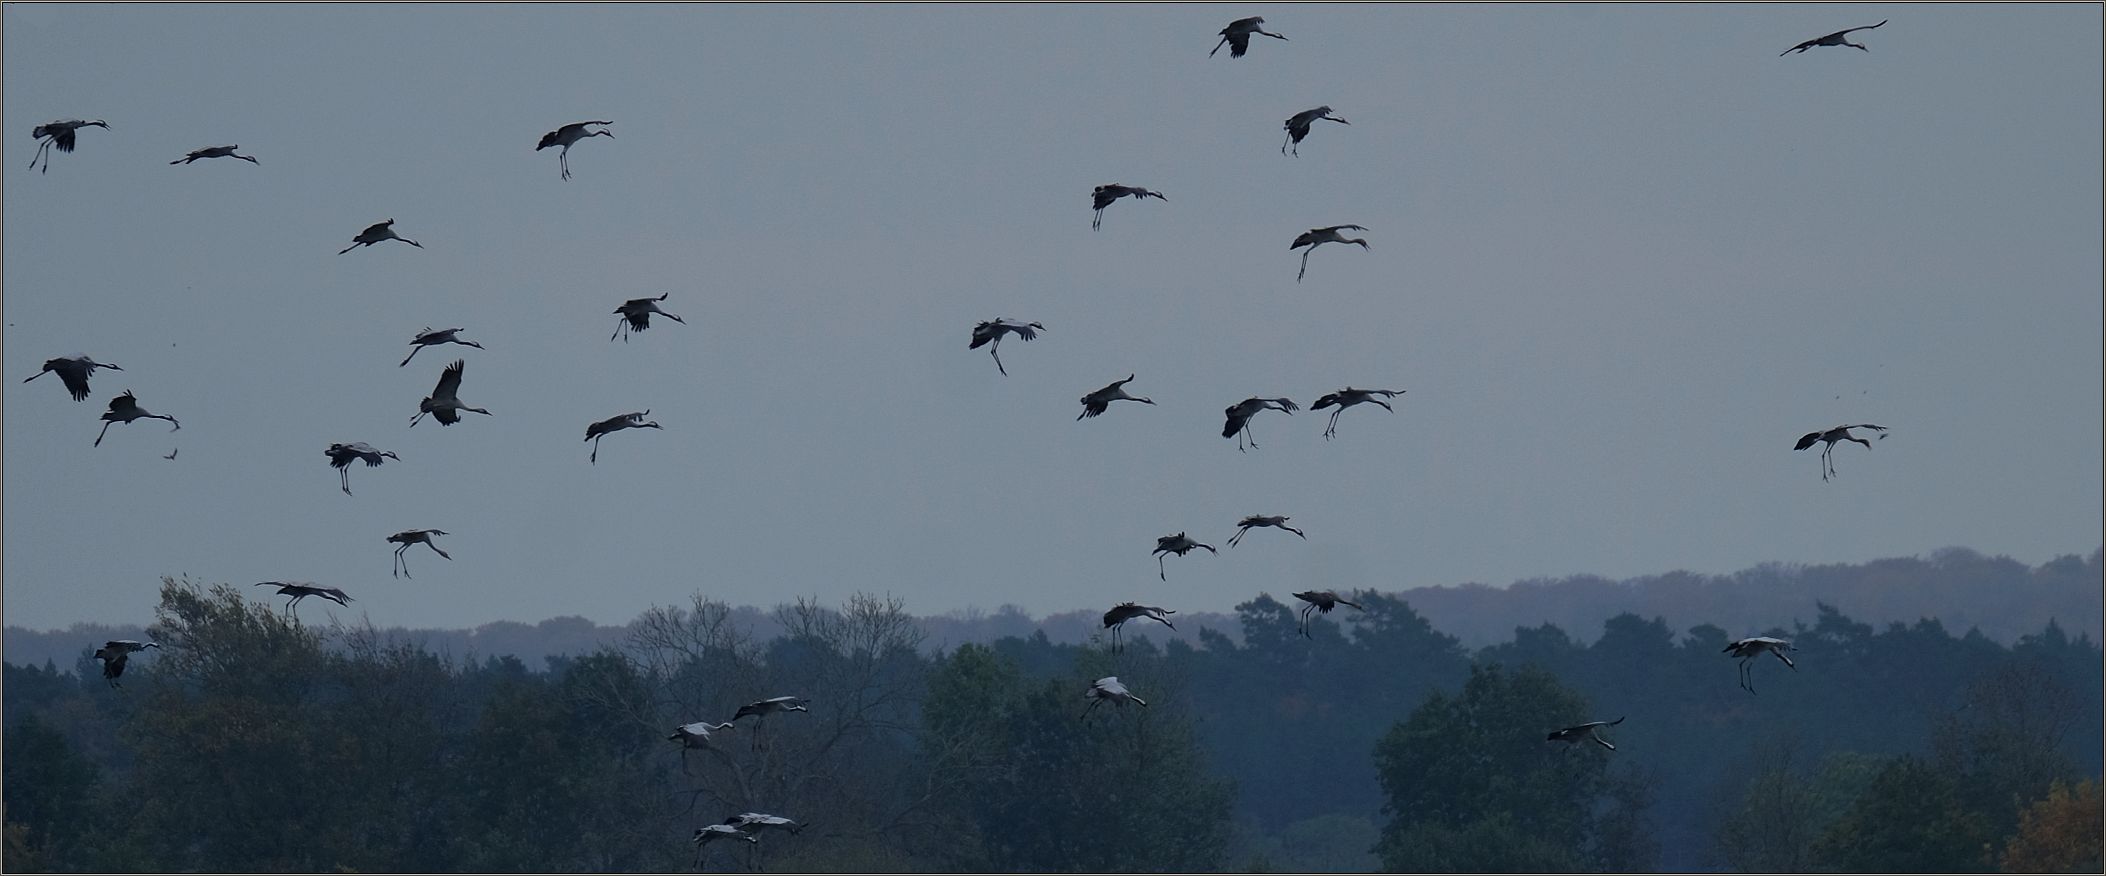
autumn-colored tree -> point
(2060, 833)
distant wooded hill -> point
(2001, 597)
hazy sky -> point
(1622, 257)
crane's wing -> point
(450, 380)
(125, 403)
(1864, 27)
(75, 379)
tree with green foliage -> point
(552, 777)
(1286, 706)
(1473, 785)
(1775, 818)
(1332, 843)
(1546, 647)
(48, 793)
(2004, 741)
(233, 748)
(1123, 790)
(846, 761)
(1909, 820)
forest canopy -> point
(253, 740)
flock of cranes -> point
(1237, 416)
(702, 735)
(634, 315)
(744, 826)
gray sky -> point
(1622, 257)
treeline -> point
(2003, 598)
(251, 742)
